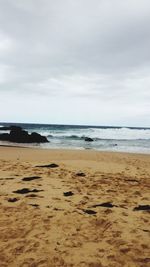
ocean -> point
(106, 138)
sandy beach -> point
(74, 208)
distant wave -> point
(73, 137)
(76, 137)
(100, 133)
(103, 133)
(111, 138)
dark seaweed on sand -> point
(69, 193)
(142, 207)
(13, 199)
(105, 204)
(52, 165)
(90, 212)
(81, 174)
(31, 178)
(26, 191)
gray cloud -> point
(87, 55)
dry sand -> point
(46, 228)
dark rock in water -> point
(15, 128)
(52, 165)
(81, 174)
(4, 137)
(13, 199)
(4, 128)
(9, 128)
(90, 212)
(106, 205)
(31, 178)
(18, 135)
(88, 139)
(68, 194)
(142, 207)
(26, 191)
(37, 138)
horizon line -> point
(84, 125)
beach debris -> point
(68, 194)
(34, 205)
(18, 135)
(52, 165)
(132, 180)
(142, 207)
(144, 260)
(90, 212)
(88, 139)
(58, 209)
(26, 191)
(13, 199)
(81, 174)
(105, 205)
(31, 178)
(145, 230)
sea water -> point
(105, 138)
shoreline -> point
(73, 149)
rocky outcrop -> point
(88, 139)
(18, 135)
(4, 128)
(9, 128)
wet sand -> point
(74, 208)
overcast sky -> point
(75, 61)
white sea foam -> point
(100, 133)
(110, 139)
(120, 134)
